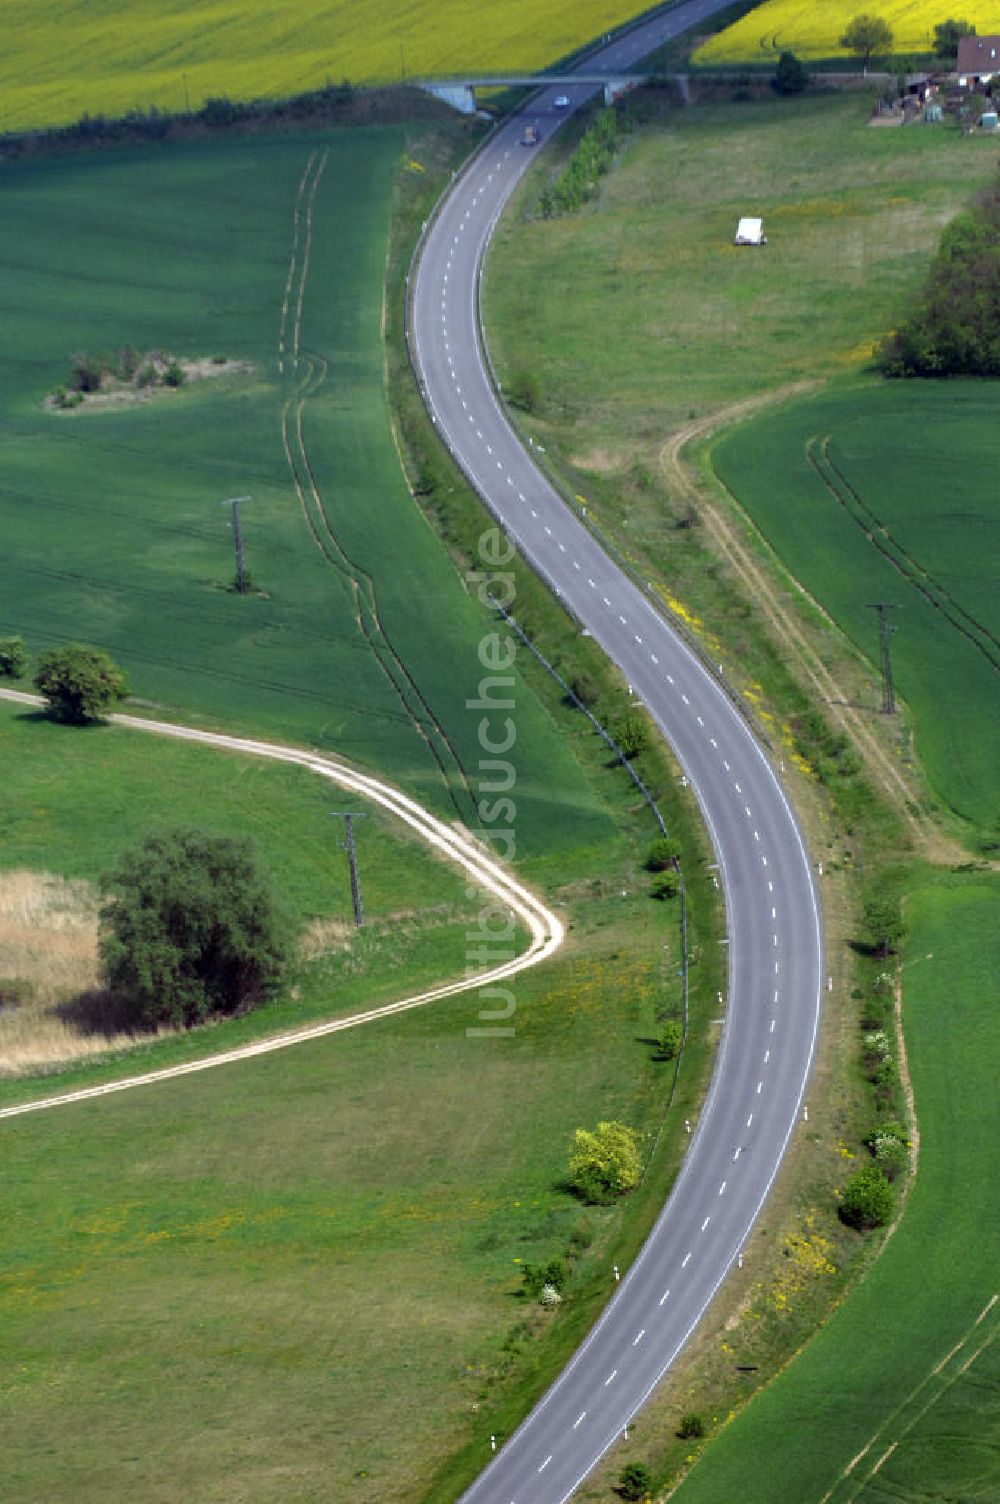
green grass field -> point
(115, 532)
(852, 215)
(76, 799)
(875, 493)
(907, 1370)
(61, 59)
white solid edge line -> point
(546, 929)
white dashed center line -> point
(611, 1377)
(685, 1260)
(581, 1417)
(638, 1337)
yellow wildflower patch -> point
(62, 58)
(807, 1258)
(814, 31)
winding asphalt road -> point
(774, 931)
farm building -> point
(978, 60)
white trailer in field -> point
(750, 232)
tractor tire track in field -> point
(857, 509)
(482, 870)
(829, 691)
(311, 371)
(981, 1335)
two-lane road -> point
(774, 935)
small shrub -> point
(219, 360)
(147, 376)
(586, 689)
(887, 1075)
(634, 1481)
(128, 362)
(692, 1425)
(88, 372)
(791, 76)
(867, 1200)
(671, 1039)
(665, 885)
(536, 1278)
(892, 1157)
(877, 1044)
(889, 1129)
(13, 657)
(175, 374)
(523, 391)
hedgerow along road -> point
(773, 922)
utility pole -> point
(885, 631)
(236, 502)
(349, 816)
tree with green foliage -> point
(954, 330)
(81, 683)
(191, 930)
(604, 1164)
(948, 34)
(662, 854)
(665, 885)
(671, 1039)
(867, 37)
(13, 657)
(634, 1481)
(632, 735)
(867, 1200)
(791, 76)
(884, 922)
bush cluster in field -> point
(115, 370)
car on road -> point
(529, 135)
(561, 102)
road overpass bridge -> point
(460, 92)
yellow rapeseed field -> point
(61, 58)
(811, 28)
